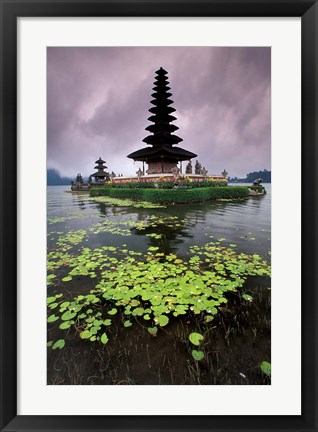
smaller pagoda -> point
(100, 175)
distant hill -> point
(265, 175)
(54, 178)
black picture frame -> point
(10, 11)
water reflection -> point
(244, 223)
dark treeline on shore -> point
(265, 175)
(54, 178)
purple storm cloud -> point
(98, 101)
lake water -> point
(243, 225)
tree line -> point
(265, 175)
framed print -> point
(154, 275)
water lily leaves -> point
(107, 322)
(67, 278)
(153, 248)
(146, 295)
(134, 303)
(180, 310)
(152, 285)
(197, 355)
(162, 320)
(153, 330)
(50, 300)
(66, 325)
(195, 338)
(138, 311)
(104, 339)
(67, 316)
(112, 311)
(86, 334)
(222, 300)
(266, 368)
(247, 297)
(59, 344)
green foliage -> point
(104, 338)
(259, 189)
(59, 344)
(131, 185)
(197, 355)
(265, 175)
(178, 195)
(164, 183)
(153, 331)
(124, 199)
(266, 368)
(154, 286)
(196, 338)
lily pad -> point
(112, 311)
(59, 344)
(67, 278)
(52, 318)
(104, 339)
(153, 330)
(266, 368)
(197, 355)
(196, 338)
(163, 320)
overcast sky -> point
(98, 101)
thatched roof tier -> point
(161, 71)
(162, 109)
(161, 152)
(164, 102)
(162, 127)
(162, 88)
(162, 138)
(162, 118)
(99, 174)
(160, 93)
(100, 160)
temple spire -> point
(162, 129)
(161, 156)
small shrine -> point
(162, 156)
(100, 175)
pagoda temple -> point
(100, 175)
(162, 156)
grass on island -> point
(169, 196)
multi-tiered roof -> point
(100, 175)
(162, 156)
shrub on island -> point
(259, 189)
(165, 183)
(177, 195)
